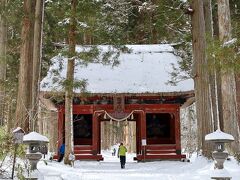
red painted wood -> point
(82, 152)
(177, 129)
(143, 126)
(173, 127)
(83, 141)
(151, 108)
(155, 152)
(161, 140)
(55, 157)
(140, 118)
(89, 157)
(82, 147)
(82, 109)
(159, 157)
(99, 137)
(95, 138)
(161, 147)
(138, 133)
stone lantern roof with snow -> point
(219, 136)
(35, 137)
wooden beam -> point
(95, 137)
(177, 129)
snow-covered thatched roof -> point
(146, 69)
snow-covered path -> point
(110, 169)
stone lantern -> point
(18, 134)
(219, 139)
(34, 141)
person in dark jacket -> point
(61, 152)
(122, 154)
(114, 152)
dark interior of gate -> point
(160, 128)
(82, 129)
(157, 126)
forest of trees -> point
(205, 32)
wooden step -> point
(82, 147)
(171, 156)
(82, 151)
(161, 151)
(160, 146)
(88, 157)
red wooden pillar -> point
(99, 136)
(177, 130)
(95, 133)
(138, 133)
(143, 128)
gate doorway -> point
(113, 133)
(150, 131)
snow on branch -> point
(230, 42)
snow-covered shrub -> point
(7, 153)
(6, 148)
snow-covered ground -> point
(198, 168)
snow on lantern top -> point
(18, 134)
(34, 136)
(219, 136)
(18, 130)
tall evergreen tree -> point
(69, 85)
(3, 63)
(25, 69)
(37, 55)
(201, 78)
(12, 14)
(230, 121)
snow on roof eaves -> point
(145, 70)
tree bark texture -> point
(201, 80)
(24, 79)
(47, 123)
(230, 122)
(3, 64)
(69, 87)
(214, 81)
(37, 54)
(9, 117)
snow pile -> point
(220, 173)
(146, 69)
(198, 169)
(34, 136)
